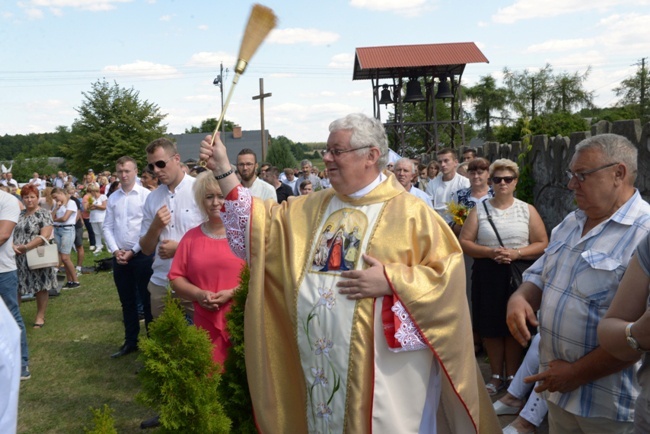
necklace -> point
(206, 231)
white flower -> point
(323, 346)
(327, 298)
(319, 377)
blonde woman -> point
(64, 216)
(519, 235)
(97, 209)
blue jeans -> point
(9, 293)
(131, 279)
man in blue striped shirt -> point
(573, 284)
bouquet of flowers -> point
(458, 212)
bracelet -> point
(223, 175)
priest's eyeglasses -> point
(338, 152)
(580, 176)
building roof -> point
(188, 144)
(415, 60)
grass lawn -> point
(71, 365)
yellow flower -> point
(458, 212)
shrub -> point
(103, 421)
(233, 387)
(179, 378)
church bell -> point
(413, 91)
(386, 98)
(443, 89)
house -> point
(188, 144)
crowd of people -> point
(375, 277)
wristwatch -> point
(633, 343)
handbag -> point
(46, 255)
(518, 266)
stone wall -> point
(550, 158)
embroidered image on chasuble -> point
(318, 362)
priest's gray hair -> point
(366, 131)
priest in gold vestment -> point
(357, 319)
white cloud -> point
(283, 75)
(204, 27)
(626, 34)
(212, 59)
(166, 18)
(561, 45)
(143, 69)
(298, 36)
(33, 13)
(402, 7)
(342, 61)
(91, 5)
(527, 9)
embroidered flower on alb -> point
(322, 410)
(407, 335)
(319, 377)
(322, 346)
(327, 298)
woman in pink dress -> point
(205, 270)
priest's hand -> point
(214, 154)
(368, 283)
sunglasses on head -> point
(507, 179)
(161, 164)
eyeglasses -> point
(580, 176)
(245, 164)
(507, 179)
(338, 152)
(161, 164)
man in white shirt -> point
(442, 187)
(9, 181)
(37, 182)
(169, 212)
(404, 170)
(131, 268)
(9, 213)
(247, 168)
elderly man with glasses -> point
(572, 285)
(384, 346)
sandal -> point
(492, 388)
(38, 325)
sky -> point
(170, 51)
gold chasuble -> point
(318, 362)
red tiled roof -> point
(429, 59)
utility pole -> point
(219, 82)
(261, 97)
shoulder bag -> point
(46, 255)
(517, 267)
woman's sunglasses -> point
(507, 179)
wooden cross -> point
(261, 97)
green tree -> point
(209, 125)
(567, 92)
(113, 121)
(527, 91)
(487, 97)
(279, 153)
(634, 91)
